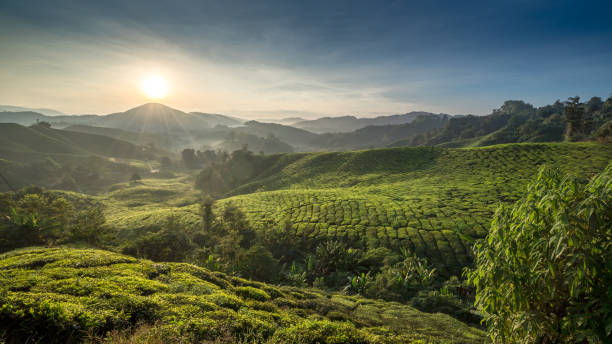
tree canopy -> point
(544, 271)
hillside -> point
(21, 117)
(299, 138)
(216, 119)
(21, 143)
(67, 159)
(344, 124)
(516, 121)
(382, 135)
(55, 295)
(140, 138)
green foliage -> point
(543, 272)
(574, 113)
(167, 244)
(89, 227)
(258, 263)
(33, 217)
(61, 295)
(323, 332)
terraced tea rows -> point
(443, 195)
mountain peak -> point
(153, 107)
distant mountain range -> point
(151, 117)
(285, 121)
(172, 129)
(344, 124)
(47, 112)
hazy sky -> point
(284, 58)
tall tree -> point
(189, 157)
(574, 112)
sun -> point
(154, 87)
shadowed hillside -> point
(21, 143)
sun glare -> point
(154, 87)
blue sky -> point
(308, 58)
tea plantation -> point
(68, 295)
(428, 200)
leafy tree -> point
(258, 263)
(604, 133)
(164, 245)
(233, 219)
(189, 157)
(206, 211)
(89, 227)
(34, 218)
(543, 273)
(165, 162)
(574, 113)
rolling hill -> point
(67, 159)
(299, 138)
(214, 120)
(159, 140)
(21, 143)
(382, 135)
(21, 117)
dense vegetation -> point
(543, 273)
(517, 121)
(422, 199)
(66, 295)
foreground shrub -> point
(323, 332)
(543, 273)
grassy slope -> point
(130, 206)
(21, 143)
(61, 292)
(419, 198)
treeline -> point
(517, 121)
(235, 169)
